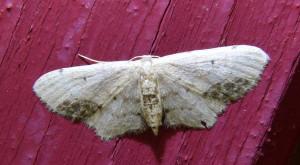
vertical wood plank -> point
(40, 36)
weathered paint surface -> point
(40, 36)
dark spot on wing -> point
(204, 124)
(66, 103)
(215, 93)
(77, 109)
(125, 99)
(229, 91)
(137, 101)
(166, 110)
(229, 86)
(243, 82)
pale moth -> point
(185, 89)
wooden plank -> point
(280, 143)
(37, 37)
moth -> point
(185, 89)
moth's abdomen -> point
(150, 98)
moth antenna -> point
(82, 56)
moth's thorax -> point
(150, 97)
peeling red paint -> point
(40, 36)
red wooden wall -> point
(40, 36)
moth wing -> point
(103, 95)
(196, 86)
(121, 115)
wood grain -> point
(40, 36)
